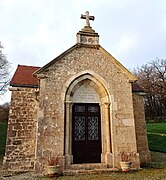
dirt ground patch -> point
(156, 170)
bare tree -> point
(152, 77)
(4, 72)
(4, 112)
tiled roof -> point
(23, 77)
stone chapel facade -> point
(84, 107)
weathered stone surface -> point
(41, 127)
(140, 126)
(21, 137)
(52, 110)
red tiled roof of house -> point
(23, 77)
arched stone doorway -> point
(88, 91)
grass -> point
(155, 170)
(156, 127)
(3, 130)
(157, 136)
(157, 142)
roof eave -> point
(24, 85)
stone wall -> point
(21, 137)
(140, 125)
(46, 118)
(53, 87)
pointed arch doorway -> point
(86, 92)
(86, 133)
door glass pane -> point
(79, 108)
(93, 128)
(79, 129)
(93, 109)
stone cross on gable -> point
(87, 17)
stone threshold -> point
(90, 168)
(70, 172)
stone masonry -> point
(40, 123)
(21, 137)
(53, 89)
(141, 136)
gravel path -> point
(7, 175)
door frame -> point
(99, 85)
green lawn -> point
(157, 142)
(3, 129)
(155, 170)
(156, 127)
(157, 136)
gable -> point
(42, 69)
(130, 76)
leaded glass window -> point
(79, 128)
(93, 109)
(79, 109)
(93, 128)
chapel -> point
(83, 107)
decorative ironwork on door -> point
(86, 133)
(93, 109)
(93, 128)
(79, 128)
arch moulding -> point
(99, 85)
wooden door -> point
(86, 133)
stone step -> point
(89, 166)
(92, 171)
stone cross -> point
(87, 17)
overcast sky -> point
(34, 32)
